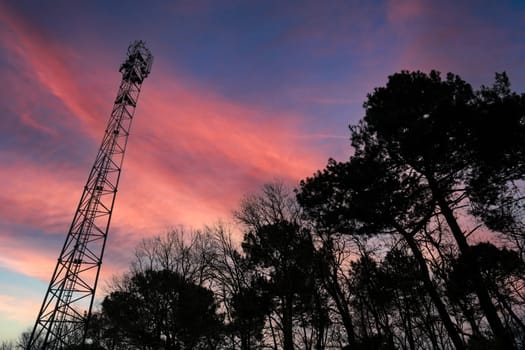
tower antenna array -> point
(64, 315)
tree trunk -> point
(511, 312)
(410, 334)
(501, 336)
(470, 316)
(288, 323)
(432, 290)
(245, 340)
(320, 324)
(332, 287)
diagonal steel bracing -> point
(65, 311)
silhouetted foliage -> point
(163, 309)
(240, 290)
(277, 245)
(418, 160)
(501, 270)
(7, 345)
(498, 150)
(250, 306)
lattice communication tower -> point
(64, 316)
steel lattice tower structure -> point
(65, 311)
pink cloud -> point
(192, 154)
(19, 256)
(28, 120)
(399, 11)
(452, 37)
(37, 195)
(49, 65)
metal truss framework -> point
(67, 305)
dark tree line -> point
(430, 156)
(415, 242)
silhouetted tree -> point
(277, 244)
(250, 306)
(430, 138)
(501, 270)
(240, 289)
(190, 253)
(163, 309)
(422, 123)
(286, 252)
(417, 318)
(331, 260)
(365, 196)
(372, 300)
(497, 139)
(7, 345)
(103, 335)
(23, 340)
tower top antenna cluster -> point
(137, 65)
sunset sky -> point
(241, 93)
